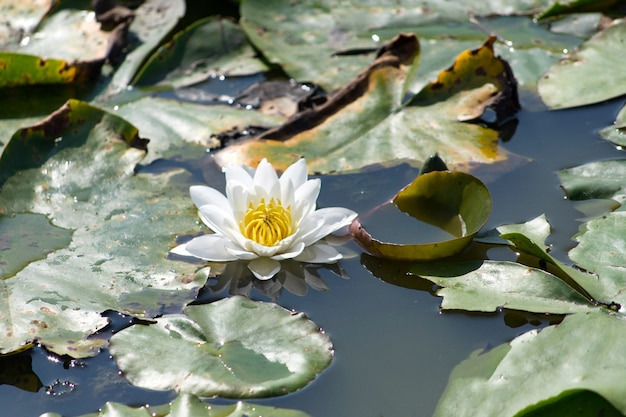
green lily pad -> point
(600, 250)
(191, 406)
(582, 353)
(574, 402)
(585, 282)
(595, 180)
(77, 169)
(233, 348)
(456, 202)
(589, 75)
(19, 18)
(170, 124)
(576, 6)
(154, 19)
(53, 53)
(366, 122)
(329, 43)
(490, 285)
(209, 47)
(36, 238)
(616, 133)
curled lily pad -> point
(233, 348)
(455, 202)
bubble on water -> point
(58, 388)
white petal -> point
(202, 195)
(332, 218)
(241, 253)
(210, 247)
(265, 251)
(295, 173)
(293, 251)
(181, 250)
(319, 254)
(265, 176)
(238, 197)
(216, 218)
(306, 196)
(264, 268)
(239, 174)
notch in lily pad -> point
(457, 203)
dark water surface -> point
(394, 349)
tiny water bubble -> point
(58, 388)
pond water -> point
(394, 349)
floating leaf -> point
(154, 19)
(54, 54)
(582, 353)
(329, 43)
(596, 180)
(576, 6)
(586, 282)
(77, 168)
(537, 230)
(453, 201)
(36, 238)
(574, 402)
(170, 124)
(208, 47)
(365, 123)
(234, 348)
(616, 133)
(490, 285)
(191, 406)
(601, 249)
(590, 75)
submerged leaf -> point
(453, 201)
(234, 348)
(582, 353)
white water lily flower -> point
(265, 219)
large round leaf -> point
(208, 47)
(456, 202)
(234, 348)
(77, 168)
(584, 352)
(590, 75)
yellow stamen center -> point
(267, 224)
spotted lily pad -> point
(233, 348)
(76, 169)
(366, 122)
(35, 239)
